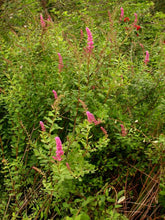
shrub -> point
(92, 84)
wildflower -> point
(123, 131)
(137, 27)
(146, 58)
(91, 118)
(90, 40)
(122, 13)
(60, 66)
(135, 21)
(97, 122)
(104, 131)
(126, 19)
(49, 19)
(43, 24)
(59, 151)
(55, 94)
(42, 126)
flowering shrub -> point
(95, 149)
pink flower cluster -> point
(60, 65)
(59, 151)
(55, 94)
(123, 130)
(122, 14)
(43, 23)
(91, 118)
(42, 126)
(146, 58)
(90, 41)
(49, 18)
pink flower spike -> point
(104, 131)
(43, 24)
(42, 126)
(135, 21)
(97, 122)
(49, 18)
(122, 14)
(90, 41)
(60, 66)
(58, 143)
(55, 94)
(146, 58)
(123, 131)
(59, 151)
(91, 117)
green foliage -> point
(104, 172)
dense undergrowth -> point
(92, 74)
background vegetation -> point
(113, 167)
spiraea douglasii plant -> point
(82, 105)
